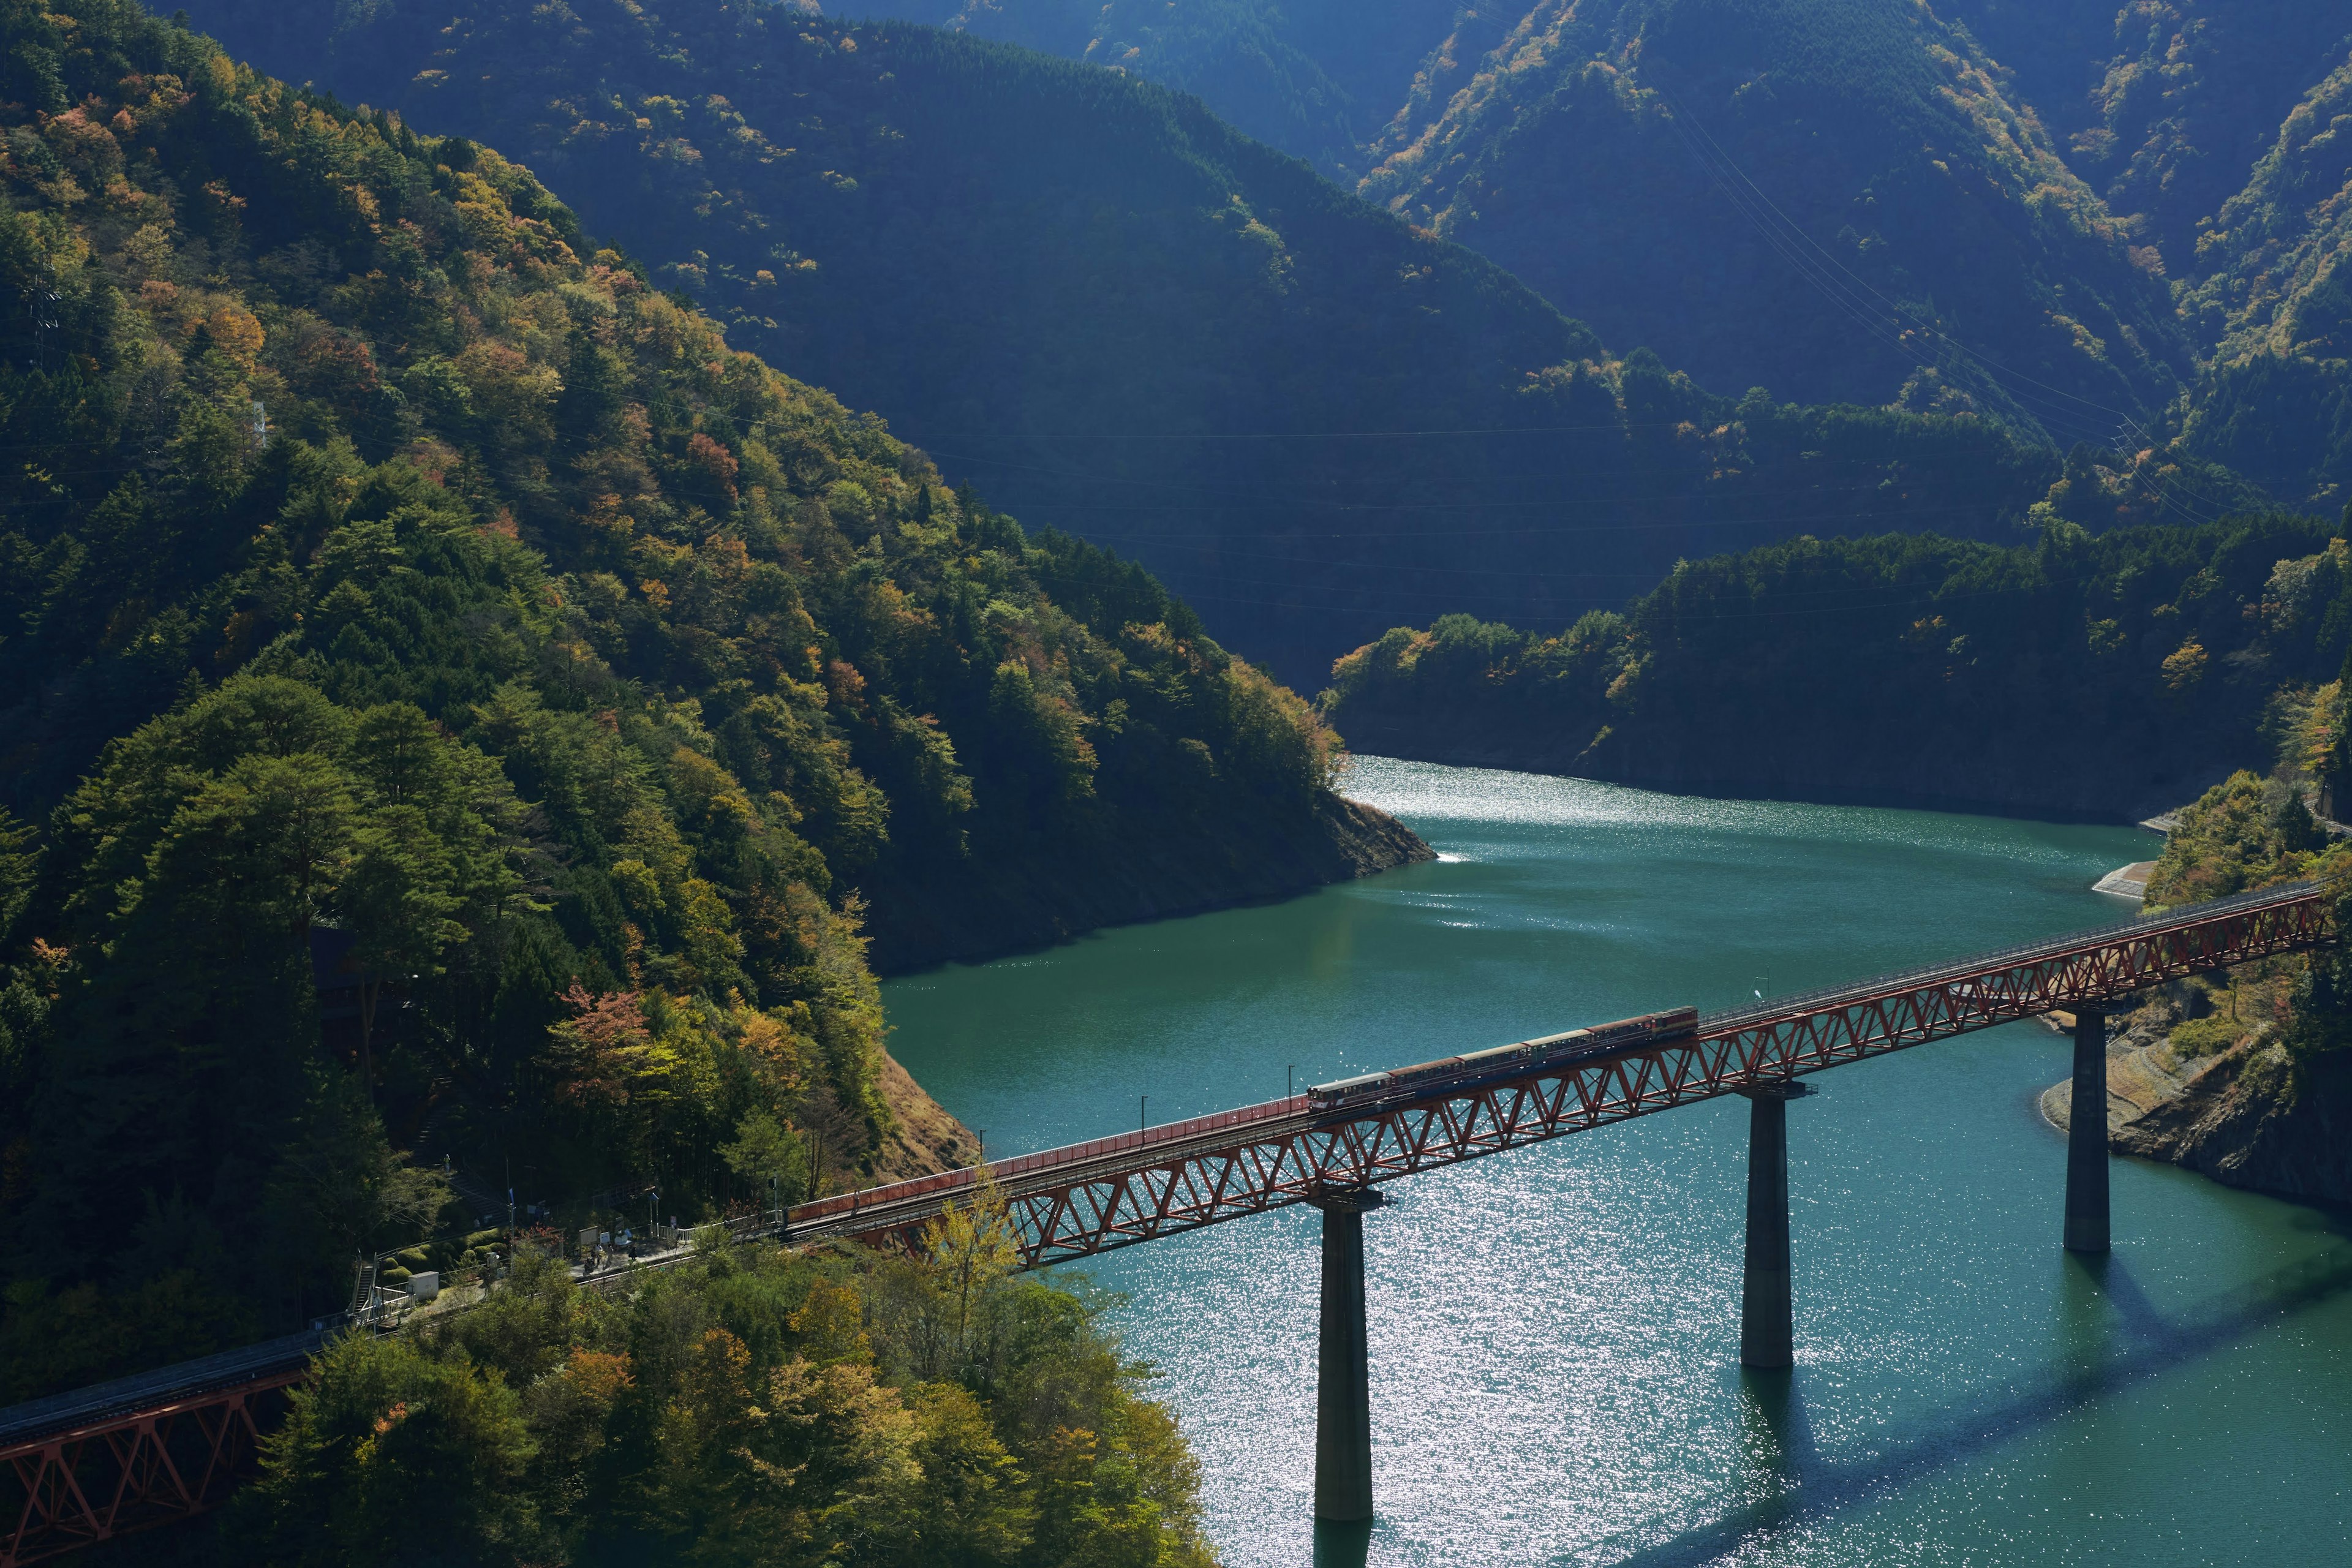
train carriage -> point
(1454, 1074)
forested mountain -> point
(1599, 149)
(1865, 199)
(2272, 278)
(2219, 132)
(2163, 108)
(1114, 313)
(419, 628)
(1318, 79)
(2102, 678)
(1822, 196)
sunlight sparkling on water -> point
(1554, 1331)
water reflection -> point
(2113, 1355)
(1342, 1545)
(1776, 1439)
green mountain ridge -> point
(1606, 153)
(2090, 678)
(1318, 79)
(2279, 405)
(456, 702)
(2165, 109)
(1114, 313)
(2217, 133)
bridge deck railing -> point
(834, 1208)
(2015, 956)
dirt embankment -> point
(2237, 1114)
(926, 1138)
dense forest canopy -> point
(2098, 676)
(756, 1407)
(1123, 317)
(419, 628)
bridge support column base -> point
(2086, 1137)
(1767, 1312)
(1343, 1385)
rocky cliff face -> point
(914, 924)
(2239, 1121)
(2237, 1115)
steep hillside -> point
(2163, 108)
(1114, 313)
(1820, 197)
(2217, 134)
(456, 701)
(2276, 288)
(1318, 79)
(2104, 679)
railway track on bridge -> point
(99, 1462)
(1087, 1198)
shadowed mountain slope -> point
(1823, 197)
(1318, 79)
(1114, 313)
(2165, 107)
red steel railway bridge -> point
(84, 1466)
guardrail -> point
(1019, 1165)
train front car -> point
(1450, 1075)
(1346, 1090)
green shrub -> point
(2206, 1036)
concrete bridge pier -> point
(1766, 1315)
(2086, 1137)
(1343, 1385)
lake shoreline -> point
(916, 926)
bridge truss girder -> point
(73, 1489)
(1095, 1213)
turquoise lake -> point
(1554, 1331)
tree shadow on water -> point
(2114, 1337)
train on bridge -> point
(1498, 1063)
(87, 1466)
